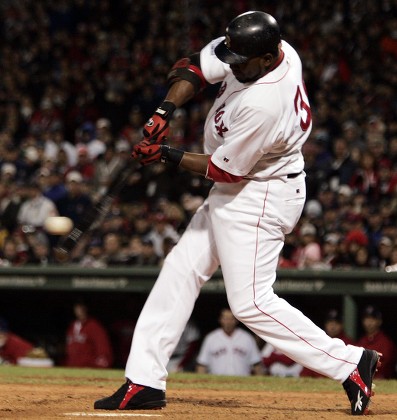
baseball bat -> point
(96, 213)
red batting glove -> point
(147, 153)
(156, 129)
(137, 147)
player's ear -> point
(266, 60)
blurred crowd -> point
(80, 78)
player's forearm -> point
(195, 162)
(180, 93)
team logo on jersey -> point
(225, 159)
(219, 124)
(150, 123)
(221, 89)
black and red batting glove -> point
(146, 153)
(156, 129)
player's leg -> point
(249, 230)
(168, 308)
(164, 316)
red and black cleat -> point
(131, 396)
(358, 385)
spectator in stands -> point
(333, 326)
(365, 179)
(354, 240)
(133, 249)
(329, 251)
(93, 255)
(76, 202)
(362, 258)
(308, 254)
(375, 338)
(229, 350)
(12, 346)
(14, 196)
(343, 166)
(148, 255)
(96, 139)
(87, 341)
(41, 252)
(132, 131)
(382, 258)
(160, 230)
(10, 255)
(84, 165)
(52, 184)
(56, 143)
(36, 208)
(113, 252)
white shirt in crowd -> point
(233, 354)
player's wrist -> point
(165, 110)
(171, 155)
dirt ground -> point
(33, 402)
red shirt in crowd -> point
(14, 348)
(383, 344)
(88, 345)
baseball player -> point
(253, 138)
(229, 350)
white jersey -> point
(241, 141)
(229, 355)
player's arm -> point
(185, 80)
(194, 162)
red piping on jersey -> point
(268, 315)
(219, 175)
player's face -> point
(251, 70)
(227, 321)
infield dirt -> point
(35, 401)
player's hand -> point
(146, 153)
(156, 129)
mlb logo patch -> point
(225, 159)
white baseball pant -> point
(241, 227)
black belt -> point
(293, 175)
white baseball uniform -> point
(255, 130)
(232, 355)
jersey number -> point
(300, 105)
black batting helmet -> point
(248, 35)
